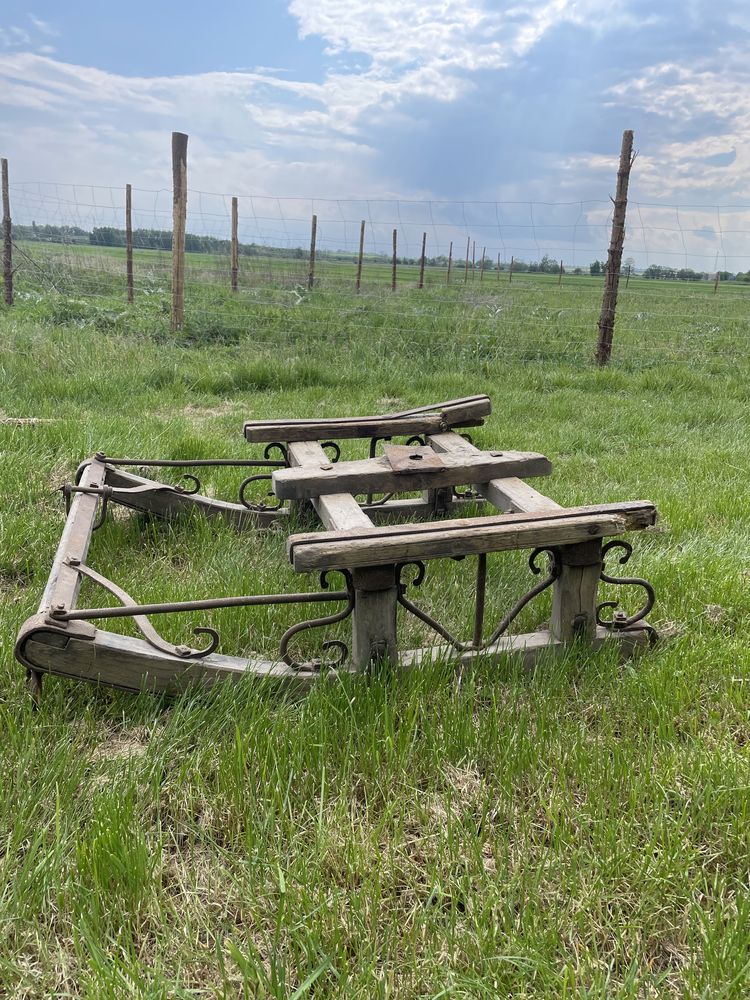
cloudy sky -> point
(448, 101)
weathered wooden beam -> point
(465, 536)
(507, 494)
(376, 475)
(468, 412)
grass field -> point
(578, 832)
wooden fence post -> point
(614, 256)
(716, 283)
(627, 276)
(313, 236)
(393, 263)
(481, 265)
(466, 267)
(361, 252)
(235, 261)
(179, 219)
(7, 237)
(498, 267)
(473, 259)
(450, 264)
(510, 270)
(129, 241)
(559, 277)
(421, 261)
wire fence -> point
(500, 278)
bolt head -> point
(496, 454)
(326, 468)
(74, 561)
(182, 650)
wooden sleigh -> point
(379, 547)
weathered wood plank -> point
(507, 494)
(467, 412)
(132, 664)
(574, 592)
(337, 511)
(64, 582)
(530, 648)
(375, 475)
(465, 536)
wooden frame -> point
(365, 541)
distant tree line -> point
(161, 239)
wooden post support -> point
(559, 277)
(574, 593)
(481, 265)
(473, 259)
(393, 262)
(421, 261)
(7, 237)
(627, 276)
(129, 241)
(498, 267)
(466, 266)
(510, 270)
(614, 256)
(361, 253)
(716, 283)
(313, 236)
(235, 261)
(179, 219)
(450, 264)
(374, 616)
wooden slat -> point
(337, 511)
(375, 475)
(508, 494)
(464, 536)
(466, 412)
(64, 582)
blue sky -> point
(449, 100)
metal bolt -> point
(74, 561)
(100, 456)
(182, 650)
(496, 454)
(415, 457)
(326, 468)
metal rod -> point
(481, 592)
(129, 610)
(187, 463)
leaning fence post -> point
(7, 237)
(466, 266)
(481, 265)
(361, 252)
(473, 259)
(421, 261)
(450, 264)
(129, 241)
(235, 258)
(179, 218)
(313, 236)
(614, 256)
(716, 283)
(393, 262)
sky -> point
(484, 119)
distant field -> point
(579, 832)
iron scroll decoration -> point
(477, 643)
(59, 615)
(620, 620)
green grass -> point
(578, 832)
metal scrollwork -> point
(619, 619)
(336, 450)
(343, 649)
(258, 507)
(276, 446)
(477, 643)
(196, 485)
(148, 631)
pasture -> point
(581, 831)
